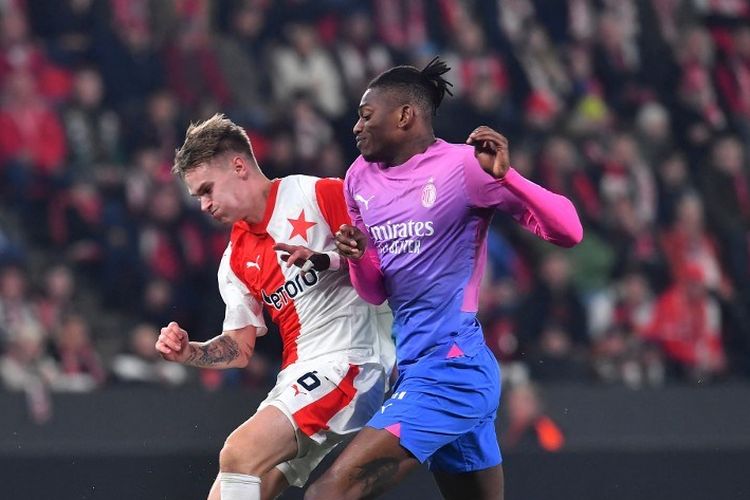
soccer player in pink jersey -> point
(337, 349)
(421, 209)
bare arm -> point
(231, 349)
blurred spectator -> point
(19, 53)
(303, 66)
(17, 312)
(193, 72)
(92, 130)
(311, 130)
(698, 116)
(160, 127)
(687, 326)
(725, 185)
(127, 58)
(242, 59)
(359, 54)
(24, 367)
(141, 364)
(673, 182)
(32, 144)
(67, 27)
(57, 296)
(654, 133)
(75, 225)
(617, 61)
(687, 243)
(616, 316)
(552, 324)
(529, 428)
(79, 364)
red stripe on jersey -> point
(264, 274)
(315, 416)
(260, 227)
(330, 196)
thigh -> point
(372, 462)
(486, 484)
(260, 443)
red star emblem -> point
(300, 226)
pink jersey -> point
(427, 221)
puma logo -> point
(255, 264)
(366, 202)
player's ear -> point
(406, 116)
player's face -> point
(217, 185)
(377, 126)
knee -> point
(234, 458)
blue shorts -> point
(443, 411)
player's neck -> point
(416, 146)
(265, 189)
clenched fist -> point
(173, 343)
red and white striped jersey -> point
(318, 312)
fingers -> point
(483, 134)
(284, 247)
(298, 257)
(346, 235)
(171, 338)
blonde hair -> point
(208, 139)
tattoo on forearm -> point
(375, 476)
(214, 352)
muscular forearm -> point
(219, 352)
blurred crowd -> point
(637, 110)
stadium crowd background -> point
(637, 110)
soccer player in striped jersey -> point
(421, 208)
(337, 349)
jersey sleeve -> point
(329, 193)
(550, 216)
(365, 273)
(242, 309)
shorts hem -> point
(468, 468)
(419, 456)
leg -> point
(259, 444)
(272, 484)
(252, 451)
(370, 464)
(485, 484)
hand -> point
(303, 257)
(491, 150)
(173, 343)
(351, 242)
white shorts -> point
(324, 400)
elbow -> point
(574, 237)
(243, 359)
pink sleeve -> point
(550, 216)
(365, 273)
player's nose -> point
(205, 204)
(358, 127)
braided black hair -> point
(426, 88)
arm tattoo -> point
(218, 351)
(376, 475)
